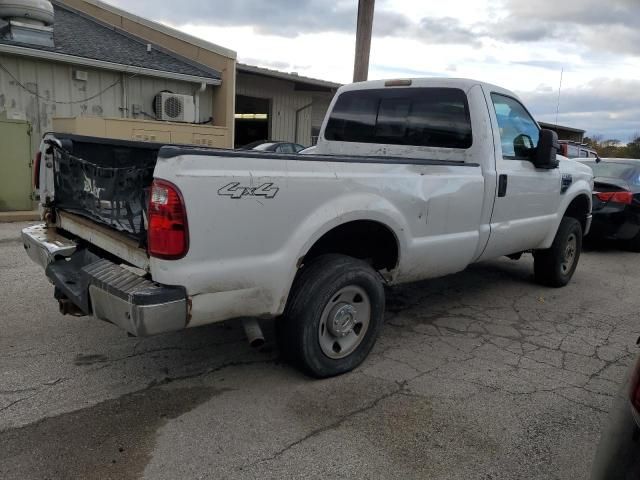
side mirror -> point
(544, 155)
(523, 146)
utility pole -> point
(363, 40)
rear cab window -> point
(423, 117)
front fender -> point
(578, 188)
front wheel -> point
(334, 315)
(555, 266)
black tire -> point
(551, 266)
(317, 285)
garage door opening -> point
(251, 120)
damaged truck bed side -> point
(411, 179)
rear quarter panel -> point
(244, 251)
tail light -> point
(635, 388)
(168, 232)
(617, 197)
(36, 170)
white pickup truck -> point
(411, 179)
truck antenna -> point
(559, 91)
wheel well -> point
(579, 209)
(364, 239)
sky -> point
(522, 45)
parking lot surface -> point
(479, 375)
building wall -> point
(60, 95)
(318, 112)
(319, 109)
(285, 101)
(219, 58)
(565, 133)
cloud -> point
(291, 18)
(547, 64)
(603, 106)
(386, 70)
(599, 25)
(275, 64)
(447, 30)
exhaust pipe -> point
(253, 331)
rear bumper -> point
(99, 287)
(616, 224)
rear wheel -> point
(333, 316)
(555, 266)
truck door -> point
(527, 198)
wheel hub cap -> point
(342, 320)
(570, 253)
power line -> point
(71, 102)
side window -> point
(517, 128)
(584, 154)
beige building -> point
(90, 68)
(564, 132)
(279, 106)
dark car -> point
(616, 201)
(273, 146)
(618, 455)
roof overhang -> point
(561, 127)
(301, 83)
(90, 62)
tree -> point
(632, 149)
(614, 148)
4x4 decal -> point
(235, 190)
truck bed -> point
(104, 180)
(108, 180)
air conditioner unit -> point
(171, 107)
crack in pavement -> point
(326, 428)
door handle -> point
(502, 185)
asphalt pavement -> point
(478, 375)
